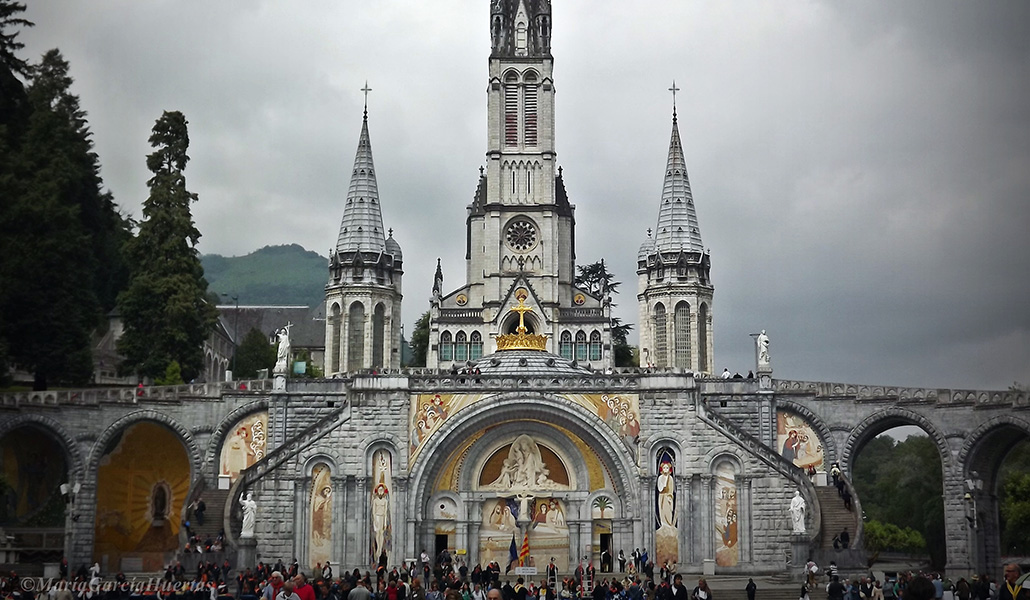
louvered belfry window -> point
(511, 110)
(682, 341)
(530, 112)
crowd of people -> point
(914, 586)
(446, 579)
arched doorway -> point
(34, 465)
(521, 467)
(143, 480)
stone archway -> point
(562, 427)
(889, 418)
(144, 473)
(37, 459)
(980, 460)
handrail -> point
(274, 459)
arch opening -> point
(143, 479)
(898, 474)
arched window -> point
(565, 345)
(595, 345)
(378, 335)
(475, 346)
(661, 345)
(334, 338)
(446, 347)
(581, 346)
(702, 339)
(511, 109)
(356, 337)
(461, 347)
(681, 328)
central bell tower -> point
(520, 228)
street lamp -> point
(235, 329)
(973, 487)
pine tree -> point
(13, 101)
(59, 235)
(166, 313)
(254, 353)
(596, 279)
(420, 341)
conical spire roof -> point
(362, 227)
(677, 219)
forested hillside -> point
(282, 275)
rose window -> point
(521, 236)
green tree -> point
(172, 375)
(599, 281)
(1015, 511)
(60, 235)
(10, 21)
(13, 100)
(165, 310)
(255, 352)
(420, 341)
(899, 484)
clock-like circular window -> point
(521, 235)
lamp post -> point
(235, 329)
(973, 487)
(71, 517)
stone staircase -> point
(273, 460)
(835, 516)
(732, 588)
(214, 500)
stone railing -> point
(454, 314)
(599, 381)
(130, 395)
(579, 313)
(895, 393)
(275, 459)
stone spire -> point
(361, 229)
(520, 28)
(677, 219)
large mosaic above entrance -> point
(428, 412)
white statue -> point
(524, 507)
(797, 512)
(249, 514)
(282, 358)
(762, 343)
(524, 468)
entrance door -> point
(606, 553)
(441, 544)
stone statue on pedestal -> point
(797, 512)
(762, 349)
(282, 358)
(249, 515)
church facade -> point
(519, 430)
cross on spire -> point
(674, 89)
(367, 89)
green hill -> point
(282, 275)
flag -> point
(524, 552)
(513, 554)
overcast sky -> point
(861, 170)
